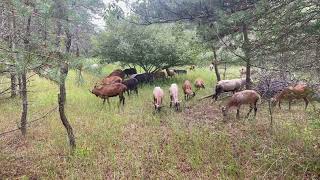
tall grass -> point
(135, 142)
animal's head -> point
(224, 110)
(157, 107)
(177, 105)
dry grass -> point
(136, 143)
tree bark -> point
(61, 14)
(24, 96)
(215, 64)
(13, 85)
(246, 49)
(61, 102)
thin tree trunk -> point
(225, 70)
(61, 102)
(61, 9)
(19, 85)
(247, 55)
(24, 93)
(24, 96)
(215, 64)
(13, 84)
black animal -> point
(180, 71)
(144, 77)
(132, 85)
(130, 71)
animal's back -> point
(158, 92)
(247, 96)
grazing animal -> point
(192, 67)
(130, 71)
(112, 79)
(112, 90)
(187, 89)
(157, 98)
(199, 83)
(299, 91)
(250, 97)
(174, 96)
(132, 85)
(233, 85)
(180, 71)
(144, 77)
(211, 66)
(170, 72)
(117, 72)
(159, 75)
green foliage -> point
(150, 47)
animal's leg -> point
(123, 99)
(170, 101)
(104, 101)
(136, 90)
(289, 105)
(128, 92)
(251, 107)
(279, 104)
(108, 101)
(238, 112)
(307, 102)
(255, 109)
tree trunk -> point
(61, 102)
(24, 96)
(13, 85)
(215, 64)
(246, 49)
(24, 93)
(62, 14)
(19, 85)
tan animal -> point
(117, 72)
(187, 89)
(157, 98)
(232, 85)
(111, 80)
(159, 75)
(299, 91)
(199, 83)
(111, 90)
(174, 96)
(170, 72)
(250, 97)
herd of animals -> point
(121, 81)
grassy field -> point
(134, 142)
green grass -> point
(135, 142)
